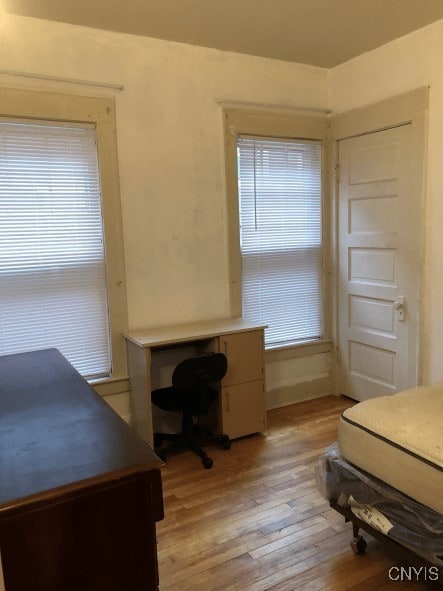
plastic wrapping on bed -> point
(399, 517)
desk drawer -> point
(244, 351)
(243, 409)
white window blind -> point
(53, 289)
(280, 236)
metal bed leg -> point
(358, 544)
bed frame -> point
(397, 550)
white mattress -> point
(399, 439)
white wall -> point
(171, 155)
(411, 62)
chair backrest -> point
(199, 371)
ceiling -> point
(317, 32)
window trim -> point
(56, 107)
(291, 125)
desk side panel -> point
(139, 364)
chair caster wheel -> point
(226, 444)
(207, 463)
(358, 545)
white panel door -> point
(378, 275)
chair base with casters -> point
(192, 437)
(191, 395)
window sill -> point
(109, 386)
(300, 349)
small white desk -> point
(241, 405)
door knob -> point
(399, 306)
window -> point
(280, 236)
(52, 265)
(276, 272)
(56, 287)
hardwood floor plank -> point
(325, 572)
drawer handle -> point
(225, 346)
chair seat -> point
(173, 400)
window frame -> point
(22, 105)
(273, 124)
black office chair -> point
(191, 394)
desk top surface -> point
(57, 434)
(167, 335)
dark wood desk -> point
(80, 492)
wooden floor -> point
(256, 520)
